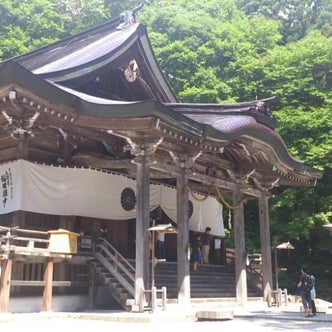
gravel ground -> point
(255, 317)
(251, 324)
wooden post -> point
(153, 298)
(6, 271)
(183, 237)
(48, 278)
(164, 297)
(264, 225)
(92, 289)
(142, 224)
(240, 251)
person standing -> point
(103, 232)
(160, 245)
(196, 251)
(206, 244)
(313, 293)
(305, 295)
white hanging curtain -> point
(92, 193)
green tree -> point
(116, 7)
(79, 15)
(299, 74)
(28, 25)
(297, 17)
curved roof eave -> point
(272, 140)
(12, 73)
(89, 106)
(250, 119)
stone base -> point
(214, 315)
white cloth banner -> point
(92, 193)
(205, 213)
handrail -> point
(11, 241)
(117, 264)
(16, 229)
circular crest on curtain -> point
(190, 208)
(128, 199)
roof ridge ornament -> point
(260, 107)
(129, 17)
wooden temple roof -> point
(88, 100)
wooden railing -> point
(15, 241)
(22, 241)
(116, 264)
(253, 268)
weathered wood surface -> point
(6, 270)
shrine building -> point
(92, 134)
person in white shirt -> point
(160, 245)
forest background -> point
(226, 51)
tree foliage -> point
(26, 25)
(297, 17)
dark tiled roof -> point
(229, 118)
(63, 48)
(89, 51)
(82, 58)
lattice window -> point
(6, 219)
(42, 222)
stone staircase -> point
(115, 272)
(116, 289)
(209, 283)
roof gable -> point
(97, 62)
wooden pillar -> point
(183, 264)
(142, 224)
(6, 270)
(48, 278)
(264, 224)
(93, 287)
(240, 250)
(23, 149)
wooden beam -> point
(167, 168)
(97, 162)
(41, 283)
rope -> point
(198, 198)
(219, 195)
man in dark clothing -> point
(196, 250)
(305, 295)
(206, 243)
(103, 232)
(313, 293)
